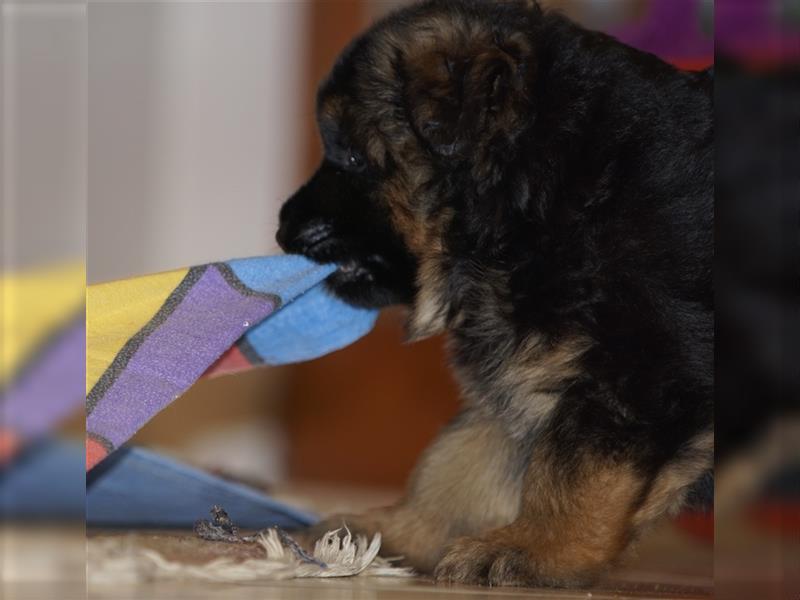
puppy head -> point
(418, 118)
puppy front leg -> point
(467, 482)
(577, 518)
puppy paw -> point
(482, 562)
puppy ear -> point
(466, 95)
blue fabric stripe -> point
(138, 488)
(287, 275)
(315, 324)
(311, 322)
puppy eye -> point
(355, 160)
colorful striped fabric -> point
(150, 338)
(41, 363)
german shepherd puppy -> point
(543, 194)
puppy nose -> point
(306, 238)
(288, 220)
(282, 237)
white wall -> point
(43, 133)
(195, 130)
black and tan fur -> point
(542, 194)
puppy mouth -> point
(317, 241)
(327, 249)
(352, 270)
(355, 265)
(365, 274)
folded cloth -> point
(44, 481)
(150, 338)
(42, 362)
(139, 488)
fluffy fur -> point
(544, 195)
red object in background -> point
(363, 415)
(698, 524)
(692, 64)
(780, 517)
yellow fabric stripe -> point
(34, 304)
(116, 311)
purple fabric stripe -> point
(51, 389)
(207, 322)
